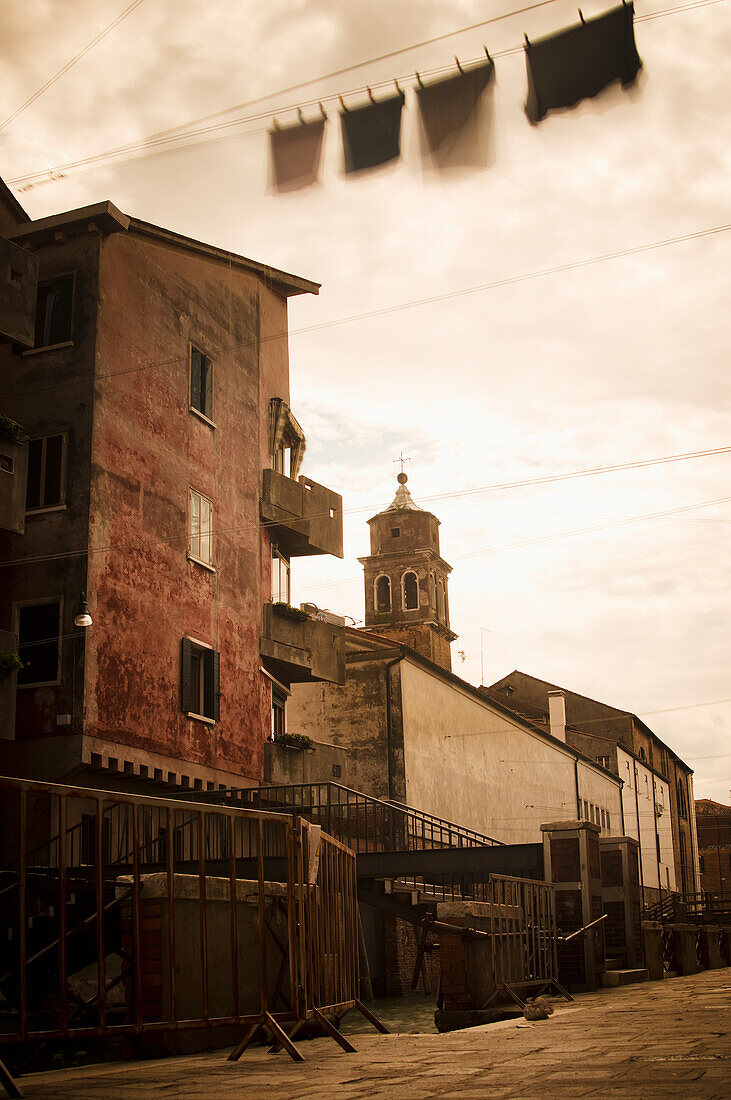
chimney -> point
(557, 714)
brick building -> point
(657, 784)
(164, 489)
(713, 823)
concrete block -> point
(614, 978)
(713, 946)
(684, 951)
(652, 941)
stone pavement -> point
(659, 1039)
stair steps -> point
(614, 978)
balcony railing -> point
(304, 518)
(297, 648)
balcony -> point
(302, 517)
(298, 649)
(18, 291)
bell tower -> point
(406, 579)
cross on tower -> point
(401, 459)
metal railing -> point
(362, 822)
(148, 914)
(707, 907)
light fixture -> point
(82, 616)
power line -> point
(174, 139)
(399, 307)
(238, 529)
(73, 61)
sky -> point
(614, 362)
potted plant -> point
(9, 663)
(298, 741)
(290, 612)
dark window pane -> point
(411, 591)
(33, 492)
(201, 382)
(53, 311)
(52, 487)
(195, 379)
(196, 662)
(38, 643)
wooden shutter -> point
(216, 684)
(186, 674)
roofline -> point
(618, 712)
(7, 194)
(407, 653)
(109, 219)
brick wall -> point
(401, 949)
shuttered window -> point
(200, 680)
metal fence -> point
(145, 914)
(523, 933)
(362, 822)
(707, 907)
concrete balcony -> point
(303, 518)
(18, 291)
(297, 649)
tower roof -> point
(403, 501)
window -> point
(395, 532)
(53, 311)
(587, 816)
(440, 600)
(200, 680)
(201, 522)
(603, 760)
(604, 820)
(383, 593)
(201, 383)
(279, 713)
(280, 578)
(410, 585)
(642, 754)
(39, 642)
(7, 464)
(46, 459)
(609, 827)
(282, 461)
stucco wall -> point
(637, 794)
(148, 449)
(465, 762)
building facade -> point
(657, 796)
(164, 489)
(713, 821)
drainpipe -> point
(576, 783)
(639, 834)
(387, 672)
(657, 837)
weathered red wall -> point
(147, 449)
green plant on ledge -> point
(290, 612)
(293, 740)
(9, 663)
(12, 430)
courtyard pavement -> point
(659, 1039)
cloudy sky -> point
(620, 361)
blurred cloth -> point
(372, 134)
(452, 120)
(579, 62)
(295, 155)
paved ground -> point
(661, 1039)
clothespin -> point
(398, 89)
(323, 111)
(487, 53)
(419, 80)
(342, 104)
(300, 115)
(458, 65)
(275, 124)
(370, 95)
(581, 16)
(527, 41)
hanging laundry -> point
(372, 134)
(452, 118)
(295, 155)
(579, 62)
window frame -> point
(382, 610)
(192, 556)
(210, 655)
(61, 505)
(17, 607)
(205, 416)
(404, 604)
(280, 558)
(68, 341)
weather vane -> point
(401, 459)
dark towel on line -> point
(579, 62)
(372, 134)
(450, 117)
(295, 154)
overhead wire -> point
(399, 307)
(264, 524)
(70, 64)
(177, 137)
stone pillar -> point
(652, 949)
(685, 955)
(572, 864)
(712, 947)
(621, 900)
